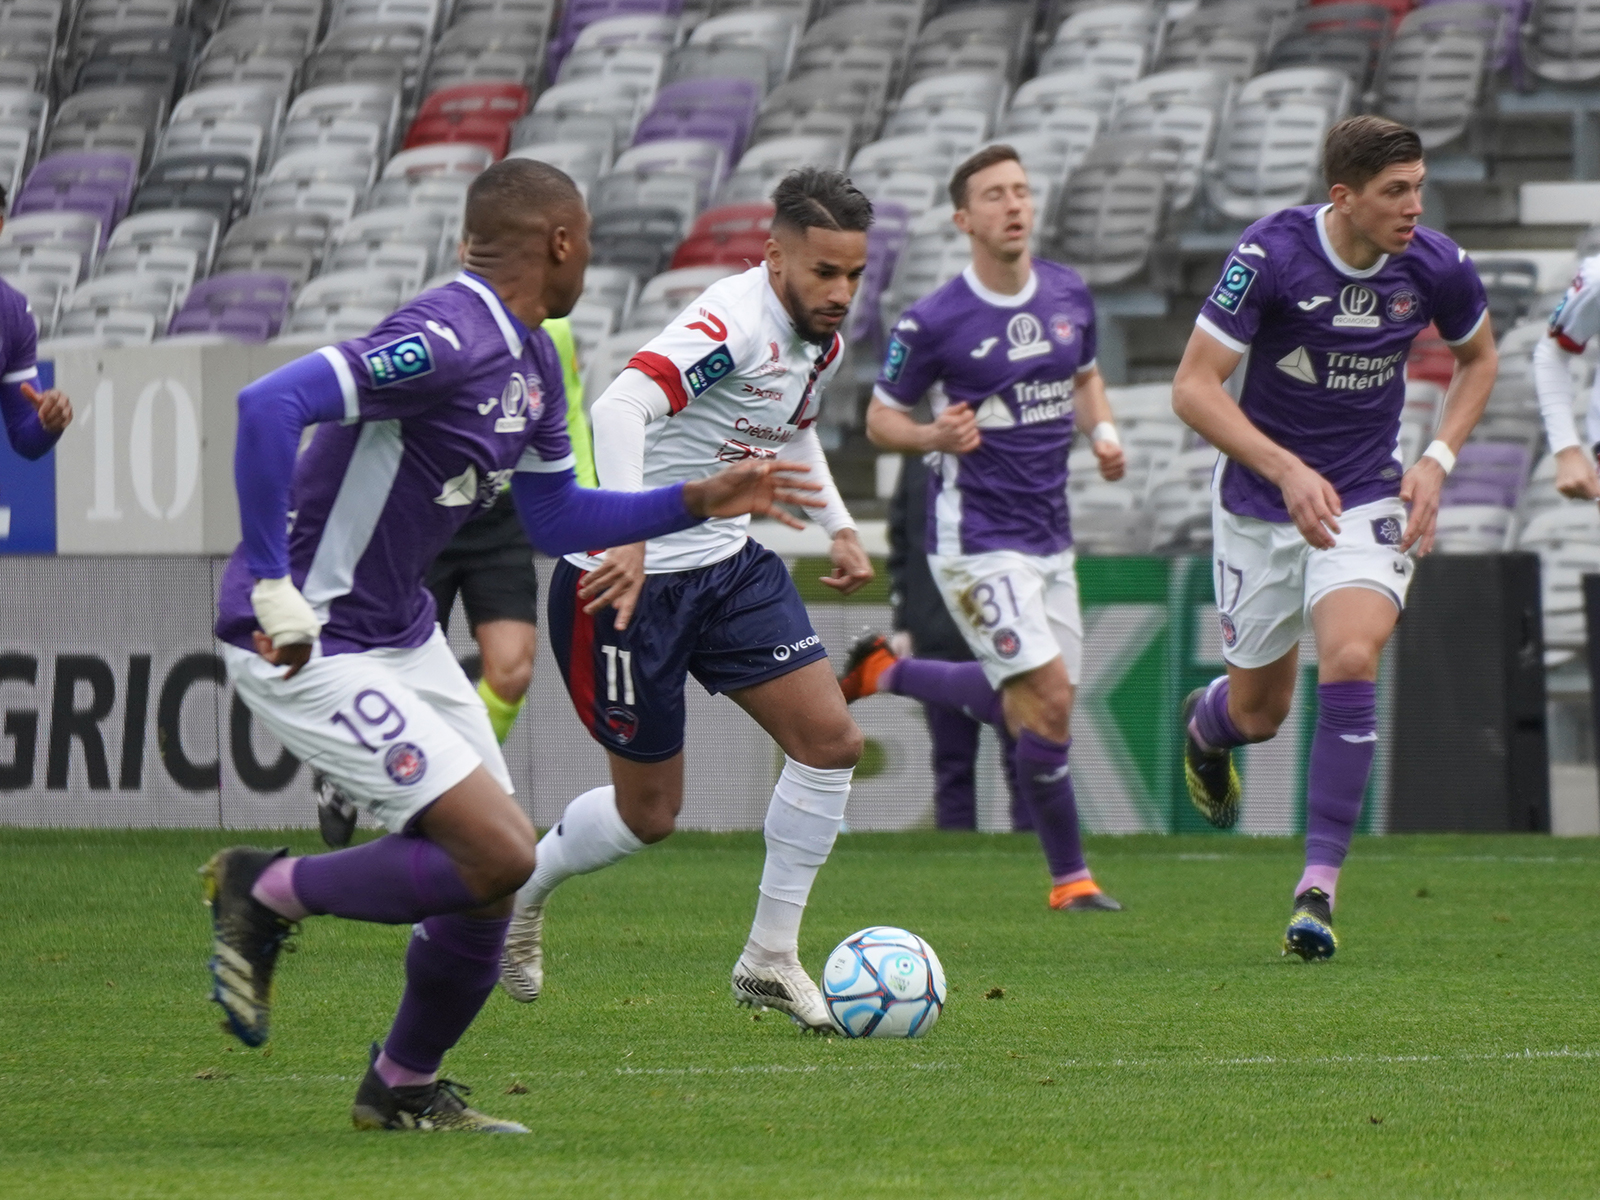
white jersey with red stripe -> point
(1577, 318)
(741, 383)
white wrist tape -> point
(1105, 432)
(1441, 454)
(283, 614)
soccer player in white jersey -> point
(1310, 509)
(1006, 354)
(1575, 320)
(737, 375)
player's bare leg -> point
(507, 648)
(454, 877)
(806, 715)
(603, 826)
(1033, 713)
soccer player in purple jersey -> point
(34, 420)
(1006, 354)
(330, 637)
(1310, 512)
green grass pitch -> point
(1452, 1049)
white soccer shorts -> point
(1017, 611)
(1268, 577)
(395, 729)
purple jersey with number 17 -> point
(1012, 360)
(1327, 344)
(448, 397)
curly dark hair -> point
(814, 198)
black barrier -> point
(1469, 730)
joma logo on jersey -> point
(1357, 308)
(408, 357)
(1236, 281)
(708, 370)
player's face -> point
(1387, 209)
(572, 254)
(999, 210)
(816, 274)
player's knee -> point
(655, 823)
(509, 867)
(510, 681)
(835, 749)
(1353, 660)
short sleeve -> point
(910, 365)
(549, 447)
(1232, 311)
(409, 363)
(21, 347)
(1577, 318)
(703, 345)
(1460, 303)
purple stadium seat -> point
(97, 202)
(117, 174)
(1507, 53)
(1487, 473)
(241, 324)
(579, 14)
(723, 95)
(885, 239)
(256, 291)
(724, 129)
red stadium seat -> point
(489, 132)
(734, 235)
(504, 101)
(1430, 358)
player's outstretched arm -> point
(1552, 381)
(1477, 362)
(34, 420)
(1203, 403)
(562, 518)
(273, 412)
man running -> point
(330, 639)
(737, 376)
(1309, 515)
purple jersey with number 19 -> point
(1325, 376)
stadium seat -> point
(1268, 157)
(1472, 528)
(108, 326)
(718, 62)
(1561, 40)
(1432, 74)
(733, 235)
(669, 293)
(484, 51)
(387, 53)
(581, 111)
(611, 288)
(704, 162)
(1109, 217)
(1430, 358)
(639, 31)
(1179, 504)
(1346, 36)
(639, 240)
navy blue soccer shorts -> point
(734, 624)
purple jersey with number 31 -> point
(1012, 360)
(1327, 345)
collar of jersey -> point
(1339, 264)
(510, 328)
(1000, 299)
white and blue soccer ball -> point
(883, 982)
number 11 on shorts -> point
(612, 654)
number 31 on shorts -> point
(986, 603)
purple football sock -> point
(957, 685)
(1211, 725)
(395, 880)
(1341, 760)
(1043, 778)
(452, 965)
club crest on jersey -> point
(622, 725)
(895, 361)
(1026, 336)
(1006, 643)
(1230, 635)
(1061, 329)
(1235, 283)
(1403, 305)
(1386, 531)
(708, 370)
(1358, 308)
(405, 763)
(408, 357)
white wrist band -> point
(1441, 454)
(1105, 432)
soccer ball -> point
(883, 982)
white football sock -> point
(591, 834)
(802, 821)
